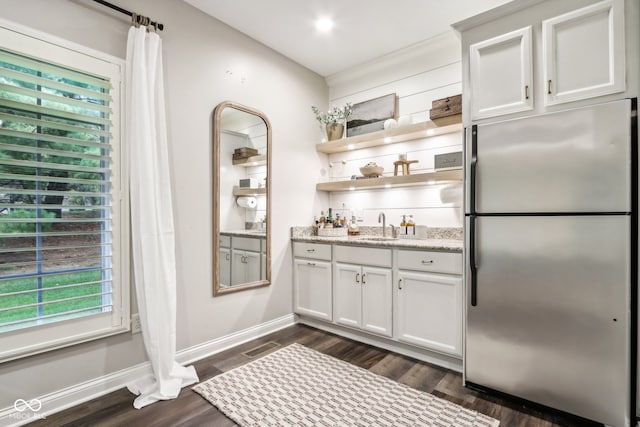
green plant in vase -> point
(334, 120)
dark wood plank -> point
(190, 409)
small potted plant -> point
(334, 120)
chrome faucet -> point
(384, 223)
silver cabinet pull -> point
(425, 262)
(227, 257)
(357, 277)
(363, 276)
(400, 284)
(311, 250)
(549, 87)
(311, 264)
(526, 92)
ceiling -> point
(364, 29)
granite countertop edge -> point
(437, 239)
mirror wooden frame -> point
(217, 113)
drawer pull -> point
(311, 250)
(426, 262)
(400, 284)
(311, 264)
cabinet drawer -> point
(363, 256)
(246, 243)
(312, 250)
(440, 262)
(225, 241)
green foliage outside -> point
(49, 282)
(49, 186)
(6, 226)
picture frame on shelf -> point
(369, 116)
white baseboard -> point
(83, 392)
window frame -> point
(42, 338)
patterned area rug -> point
(298, 386)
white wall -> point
(198, 52)
(417, 75)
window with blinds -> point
(58, 169)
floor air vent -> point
(260, 350)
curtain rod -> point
(126, 12)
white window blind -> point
(61, 266)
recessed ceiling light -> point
(324, 24)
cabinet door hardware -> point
(549, 87)
(400, 284)
(311, 264)
(426, 262)
(357, 277)
(526, 92)
(311, 250)
(363, 276)
(227, 257)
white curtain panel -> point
(152, 228)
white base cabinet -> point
(429, 311)
(363, 298)
(312, 280)
(408, 296)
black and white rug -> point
(298, 386)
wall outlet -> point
(136, 327)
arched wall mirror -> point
(241, 187)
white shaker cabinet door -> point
(347, 301)
(377, 291)
(429, 311)
(225, 267)
(312, 287)
(583, 53)
(501, 75)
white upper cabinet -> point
(501, 74)
(583, 53)
(537, 56)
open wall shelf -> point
(251, 161)
(438, 177)
(391, 136)
(243, 191)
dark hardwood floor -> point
(189, 409)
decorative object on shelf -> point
(369, 116)
(371, 170)
(390, 124)
(334, 131)
(448, 161)
(333, 120)
(244, 152)
(446, 107)
(405, 166)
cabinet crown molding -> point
(493, 14)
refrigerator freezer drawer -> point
(571, 161)
(551, 324)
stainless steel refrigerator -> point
(551, 260)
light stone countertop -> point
(442, 239)
(244, 233)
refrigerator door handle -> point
(473, 164)
(472, 261)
